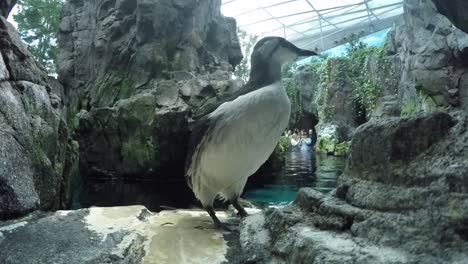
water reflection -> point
(303, 169)
(155, 195)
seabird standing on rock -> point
(229, 144)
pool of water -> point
(303, 168)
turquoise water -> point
(303, 168)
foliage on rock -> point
(292, 91)
(247, 42)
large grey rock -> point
(403, 198)
(329, 106)
(129, 234)
(430, 59)
(378, 146)
(33, 132)
(134, 72)
(455, 11)
(307, 83)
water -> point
(303, 168)
(155, 195)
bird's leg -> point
(239, 208)
(212, 213)
(216, 221)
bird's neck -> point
(264, 75)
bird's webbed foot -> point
(217, 224)
(239, 208)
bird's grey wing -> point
(211, 106)
(200, 129)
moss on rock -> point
(326, 144)
(138, 152)
(341, 149)
(330, 145)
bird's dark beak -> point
(301, 52)
(306, 53)
(298, 51)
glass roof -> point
(313, 24)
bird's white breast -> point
(246, 133)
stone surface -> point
(329, 105)
(430, 59)
(403, 198)
(403, 195)
(455, 11)
(379, 146)
(307, 83)
(134, 72)
(119, 235)
(33, 132)
(387, 106)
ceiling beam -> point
(335, 38)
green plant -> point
(247, 42)
(352, 69)
(296, 103)
(410, 108)
(38, 22)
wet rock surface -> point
(35, 156)
(118, 235)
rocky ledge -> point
(119, 235)
(403, 198)
(38, 159)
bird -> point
(232, 141)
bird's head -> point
(270, 53)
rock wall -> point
(455, 11)
(133, 73)
(403, 197)
(332, 112)
(431, 59)
(36, 155)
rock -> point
(326, 107)
(378, 145)
(33, 132)
(307, 83)
(333, 137)
(401, 199)
(455, 11)
(272, 240)
(134, 73)
(118, 235)
(341, 149)
(387, 106)
(429, 58)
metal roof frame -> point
(323, 33)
